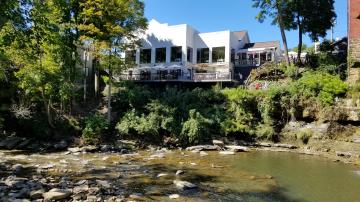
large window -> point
(202, 55)
(160, 55)
(218, 54)
(145, 56)
(130, 56)
(176, 54)
(189, 54)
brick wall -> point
(354, 30)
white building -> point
(181, 53)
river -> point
(250, 176)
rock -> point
(81, 189)
(174, 196)
(162, 175)
(203, 148)
(287, 146)
(202, 153)
(91, 198)
(17, 168)
(61, 145)
(10, 142)
(136, 196)
(216, 166)
(356, 140)
(48, 166)
(23, 144)
(16, 182)
(37, 194)
(20, 200)
(56, 194)
(103, 183)
(159, 155)
(193, 164)
(343, 154)
(227, 152)
(179, 172)
(184, 184)
(74, 149)
(236, 148)
(218, 143)
(89, 148)
(265, 144)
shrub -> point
(304, 135)
(264, 131)
(321, 85)
(196, 128)
(95, 125)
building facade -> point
(181, 53)
(354, 31)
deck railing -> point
(218, 76)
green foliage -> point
(264, 131)
(321, 85)
(196, 128)
(95, 126)
(304, 135)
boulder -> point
(203, 148)
(343, 154)
(265, 144)
(10, 142)
(287, 146)
(219, 143)
(162, 175)
(103, 183)
(56, 194)
(227, 152)
(184, 184)
(236, 148)
(174, 196)
(356, 140)
(179, 172)
(37, 194)
(61, 145)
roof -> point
(240, 34)
(267, 44)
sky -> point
(234, 15)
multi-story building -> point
(354, 31)
(181, 53)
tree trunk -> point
(300, 40)
(109, 96)
(282, 30)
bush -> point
(304, 135)
(95, 125)
(196, 128)
(321, 85)
(264, 131)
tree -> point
(274, 9)
(314, 17)
(111, 27)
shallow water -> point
(252, 176)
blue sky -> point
(234, 15)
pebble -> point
(174, 196)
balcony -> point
(176, 76)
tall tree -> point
(313, 17)
(111, 27)
(275, 10)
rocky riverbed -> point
(199, 173)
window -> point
(145, 56)
(189, 54)
(130, 56)
(203, 55)
(232, 55)
(176, 54)
(160, 55)
(218, 54)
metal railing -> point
(218, 76)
